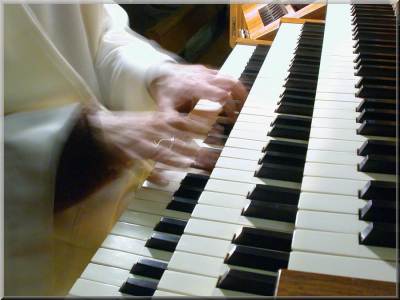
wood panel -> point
(255, 26)
(295, 283)
(173, 32)
(236, 23)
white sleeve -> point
(122, 63)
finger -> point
(189, 149)
(193, 124)
(158, 177)
(211, 92)
(230, 109)
(235, 87)
(206, 159)
(168, 157)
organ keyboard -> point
(289, 190)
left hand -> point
(179, 87)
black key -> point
(377, 147)
(290, 132)
(295, 109)
(284, 146)
(163, 241)
(250, 257)
(377, 128)
(308, 53)
(376, 91)
(374, 55)
(266, 239)
(227, 128)
(283, 158)
(291, 120)
(195, 180)
(379, 234)
(379, 190)
(247, 282)
(280, 172)
(170, 225)
(377, 104)
(300, 92)
(182, 204)
(271, 211)
(378, 211)
(369, 69)
(376, 114)
(149, 268)
(188, 192)
(272, 193)
(376, 163)
(301, 83)
(138, 287)
(291, 97)
(373, 62)
(303, 68)
(376, 80)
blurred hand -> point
(179, 87)
(159, 136)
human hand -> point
(160, 136)
(179, 87)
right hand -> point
(143, 136)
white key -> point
(153, 195)
(105, 274)
(327, 221)
(132, 230)
(343, 171)
(330, 203)
(188, 284)
(222, 199)
(247, 134)
(255, 119)
(325, 96)
(156, 208)
(245, 143)
(232, 215)
(236, 164)
(246, 126)
(340, 105)
(195, 264)
(332, 185)
(158, 293)
(88, 288)
(248, 177)
(338, 244)
(334, 114)
(241, 153)
(333, 145)
(203, 245)
(343, 266)
(211, 229)
(237, 60)
(332, 157)
(139, 218)
(115, 258)
(229, 187)
(334, 123)
(134, 246)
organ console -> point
(304, 189)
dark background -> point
(199, 33)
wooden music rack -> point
(246, 25)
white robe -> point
(56, 58)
